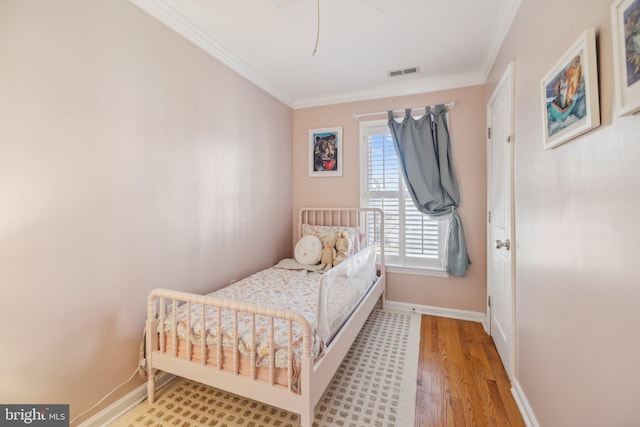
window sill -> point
(416, 271)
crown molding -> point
(412, 87)
(498, 35)
(187, 29)
(169, 16)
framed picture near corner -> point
(325, 152)
(625, 25)
(570, 103)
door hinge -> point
(488, 133)
(489, 301)
(489, 217)
(509, 139)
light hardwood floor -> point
(461, 380)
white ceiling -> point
(270, 42)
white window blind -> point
(411, 239)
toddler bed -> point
(279, 335)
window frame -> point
(400, 263)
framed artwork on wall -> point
(325, 152)
(570, 103)
(625, 25)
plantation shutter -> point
(411, 239)
(422, 235)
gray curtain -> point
(424, 153)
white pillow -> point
(308, 250)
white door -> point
(499, 232)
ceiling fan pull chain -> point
(315, 48)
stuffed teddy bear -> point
(328, 253)
(343, 246)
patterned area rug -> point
(374, 386)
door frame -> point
(508, 77)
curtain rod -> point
(449, 106)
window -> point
(413, 243)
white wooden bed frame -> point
(314, 376)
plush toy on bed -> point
(328, 253)
(308, 250)
(343, 247)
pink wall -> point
(130, 160)
(577, 292)
(467, 125)
(128, 163)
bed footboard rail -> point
(162, 307)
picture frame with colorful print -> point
(625, 25)
(570, 102)
(325, 152)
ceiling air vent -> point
(397, 73)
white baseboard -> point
(124, 404)
(473, 316)
(525, 409)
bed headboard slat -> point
(370, 221)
